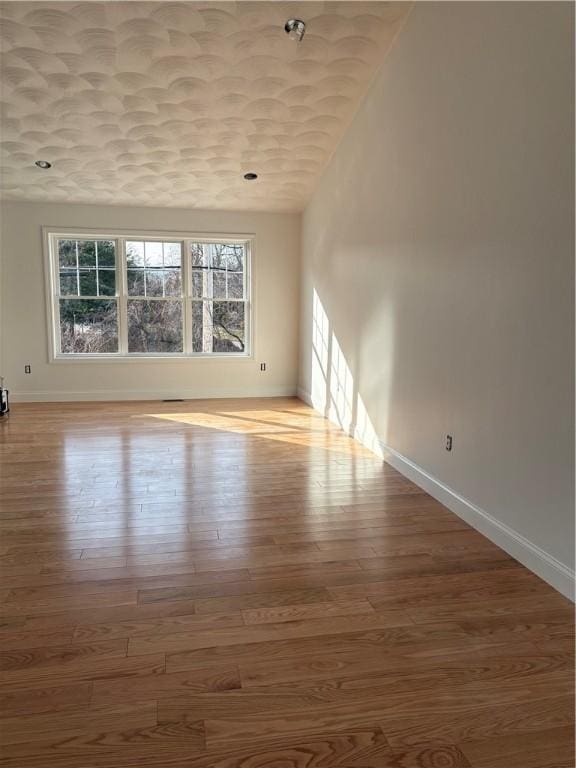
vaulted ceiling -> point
(170, 103)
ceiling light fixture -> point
(250, 176)
(44, 164)
(295, 29)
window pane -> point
(88, 325)
(153, 282)
(106, 253)
(172, 254)
(235, 285)
(218, 326)
(217, 256)
(172, 282)
(197, 278)
(67, 253)
(107, 282)
(134, 254)
(87, 253)
(153, 254)
(201, 322)
(219, 285)
(88, 282)
(136, 282)
(68, 283)
(198, 255)
(224, 269)
(229, 330)
(154, 326)
(234, 258)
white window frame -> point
(51, 235)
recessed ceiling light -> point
(43, 164)
(295, 29)
(250, 176)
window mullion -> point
(77, 271)
(121, 294)
(97, 270)
(186, 266)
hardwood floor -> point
(227, 584)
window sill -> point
(103, 358)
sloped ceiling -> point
(170, 103)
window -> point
(145, 296)
(154, 306)
(218, 297)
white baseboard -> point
(305, 396)
(540, 562)
(526, 552)
(115, 395)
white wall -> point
(23, 318)
(440, 246)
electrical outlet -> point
(262, 366)
(449, 441)
(27, 369)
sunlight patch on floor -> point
(307, 431)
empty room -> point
(286, 384)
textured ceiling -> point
(170, 103)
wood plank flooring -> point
(237, 584)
